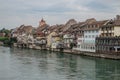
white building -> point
(91, 30)
(68, 39)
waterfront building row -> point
(81, 36)
(99, 31)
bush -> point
(2, 39)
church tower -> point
(42, 22)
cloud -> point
(17, 12)
(97, 6)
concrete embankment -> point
(100, 55)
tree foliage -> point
(6, 31)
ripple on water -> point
(27, 64)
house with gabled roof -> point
(109, 39)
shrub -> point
(2, 39)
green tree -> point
(6, 31)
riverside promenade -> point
(115, 56)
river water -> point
(27, 64)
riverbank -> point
(115, 56)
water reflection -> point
(108, 69)
(27, 64)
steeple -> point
(42, 22)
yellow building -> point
(111, 29)
(49, 38)
(53, 40)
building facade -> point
(109, 39)
(90, 31)
(108, 45)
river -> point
(27, 64)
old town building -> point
(108, 45)
(69, 36)
(109, 40)
(90, 32)
(80, 35)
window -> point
(90, 47)
(89, 36)
(102, 28)
(93, 47)
(92, 26)
(78, 46)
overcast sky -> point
(13, 13)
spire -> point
(42, 22)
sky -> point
(14, 13)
